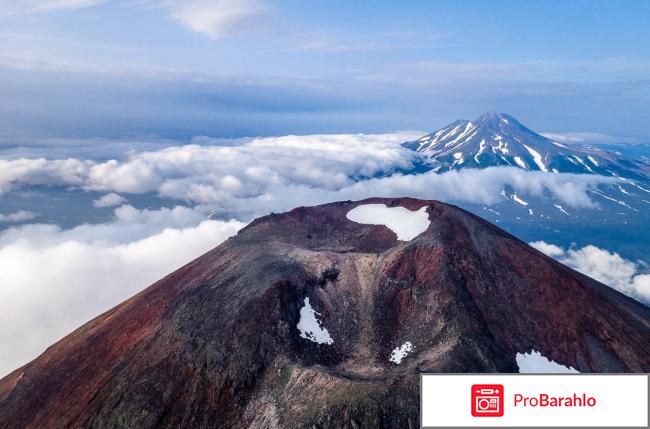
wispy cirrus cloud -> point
(16, 7)
(218, 18)
(213, 18)
(589, 138)
(402, 40)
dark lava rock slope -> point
(216, 344)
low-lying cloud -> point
(273, 174)
(328, 161)
(54, 280)
(606, 267)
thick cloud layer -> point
(604, 266)
(323, 160)
(54, 280)
(272, 174)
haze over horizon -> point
(234, 68)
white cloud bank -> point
(606, 267)
(276, 174)
(89, 269)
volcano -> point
(324, 317)
(499, 139)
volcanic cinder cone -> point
(217, 343)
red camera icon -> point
(487, 400)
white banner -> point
(517, 400)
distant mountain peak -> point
(499, 139)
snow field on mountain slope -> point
(535, 363)
(309, 326)
(405, 223)
(400, 352)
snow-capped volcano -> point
(498, 139)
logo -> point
(487, 400)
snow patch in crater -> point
(400, 352)
(405, 223)
(309, 326)
(535, 363)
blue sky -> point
(173, 68)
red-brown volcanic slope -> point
(215, 344)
